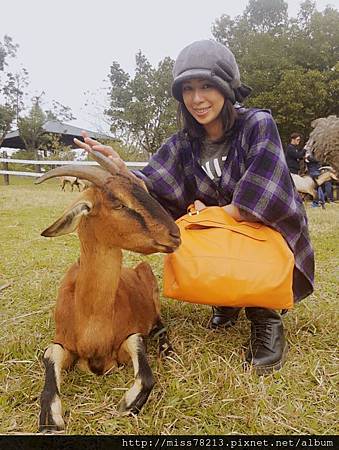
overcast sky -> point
(67, 46)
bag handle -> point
(191, 211)
(253, 234)
(217, 217)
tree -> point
(127, 152)
(32, 132)
(266, 16)
(31, 128)
(313, 39)
(7, 115)
(258, 40)
(306, 11)
(58, 151)
(12, 88)
(7, 50)
(59, 112)
(13, 91)
(294, 104)
(142, 110)
(291, 64)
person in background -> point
(229, 156)
(328, 191)
(293, 154)
(313, 170)
(327, 187)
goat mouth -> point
(164, 248)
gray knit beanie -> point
(212, 61)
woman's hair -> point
(195, 130)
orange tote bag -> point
(228, 263)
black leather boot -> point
(268, 347)
(224, 316)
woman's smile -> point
(204, 102)
(202, 111)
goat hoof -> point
(52, 432)
(51, 426)
(166, 350)
(51, 429)
(125, 410)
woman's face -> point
(204, 102)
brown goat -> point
(103, 311)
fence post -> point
(5, 165)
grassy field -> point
(203, 390)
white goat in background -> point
(307, 185)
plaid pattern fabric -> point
(255, 178)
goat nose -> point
(176, 234)
(176, 238)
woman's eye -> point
(186, 88)
(207, 86)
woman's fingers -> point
(88, 139)
(105, 150)
(198, 205)
(91, 141)
(91, 145)
(82, 144)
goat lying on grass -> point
(103, 310)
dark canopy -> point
(67, 134)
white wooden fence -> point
(7, 173)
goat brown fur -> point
(104, 310)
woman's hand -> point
(198, 205)
(239, 215)
(91, 144)
(231, 210)
(106, 150)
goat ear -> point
(69, 221)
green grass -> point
(203, 390)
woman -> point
(229, 156)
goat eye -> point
(118, 206)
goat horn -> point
(105, 162)
(95, 175)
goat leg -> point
(138, 394)
(55, 359)
(76, 182)
(160, 332)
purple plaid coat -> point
(255, 178)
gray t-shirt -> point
(212, 158)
